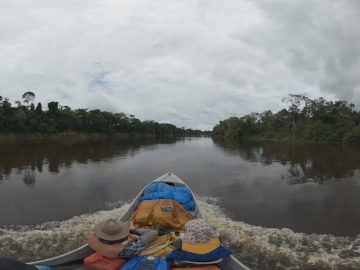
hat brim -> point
(112, 237)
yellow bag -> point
(201, 248)
(164, 212)
(160, 247)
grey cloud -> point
(191, 63)
(322, 42)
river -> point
(277, 206)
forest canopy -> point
(304, 119)
(26, 117)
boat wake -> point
(31, 243)
(258, 247)
(270, 248)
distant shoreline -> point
(286, 140)
(305, 120)
(28, 118)
(80, 136)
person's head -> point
(112, 231)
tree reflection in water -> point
(29, 179)
(305, 162)
(28, 156)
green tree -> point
(38, 108)
(62, 118)
(53, 107)
(28, 98)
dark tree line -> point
(305, 119)
(25, 117)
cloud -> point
(191, 63)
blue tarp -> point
(146, 263)
(161, 190)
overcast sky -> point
(187, 62)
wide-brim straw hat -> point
(112, 230)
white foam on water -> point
(30, 243)
(258, 247)
(270, 248)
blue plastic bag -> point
(161, 190)
(146, 263)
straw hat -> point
(112, 230)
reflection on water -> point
(272, 203)
(26, 156)
(307, 188)
(29, 178)
(65, 176)
(305, 162)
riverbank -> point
(77, 137)
(287, 139)
(73, 137)
(306, 120)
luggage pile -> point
(180, 240)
